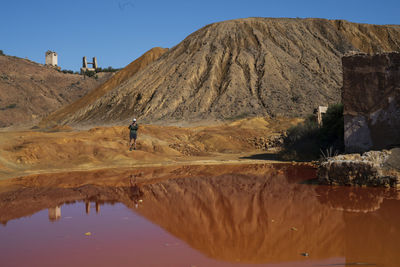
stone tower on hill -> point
(51, 58)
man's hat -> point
(134, 119)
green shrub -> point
(67, 71)
(109, 69)
(9, 106)
(332, 130)
(2, 53)
(307, 129)
(306, 140)
(89, 73)
(299, 141)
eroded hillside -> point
(240, 68)
(29, 90)
(120, 77)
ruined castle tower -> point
(51, 58)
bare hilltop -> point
(240, 68)
(119, 78)
(29, 90)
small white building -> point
(321, 111)
(51, 58)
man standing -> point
(133, 134)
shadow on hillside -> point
(271, 156)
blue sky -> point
(118, 31)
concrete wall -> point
(371, 99)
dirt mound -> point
(61, 148)
(120, 77)
(242, 68)
(29, 90)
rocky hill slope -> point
(112, 83)
(239, 68)
(29, 90)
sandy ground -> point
(24, 152)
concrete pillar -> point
(84, 63)
(94, 63)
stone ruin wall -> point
(371, 99)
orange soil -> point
(29, 152)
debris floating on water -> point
(171, 244)
(88, 233)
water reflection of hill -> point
(251, 213)
(25, 196)
(253, 219)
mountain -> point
(239, 68)
(120, 77)
(29, 90)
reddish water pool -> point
(263, 215)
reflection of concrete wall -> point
(54, 213)
(87, 207)
(371, 98)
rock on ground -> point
(373, 168)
